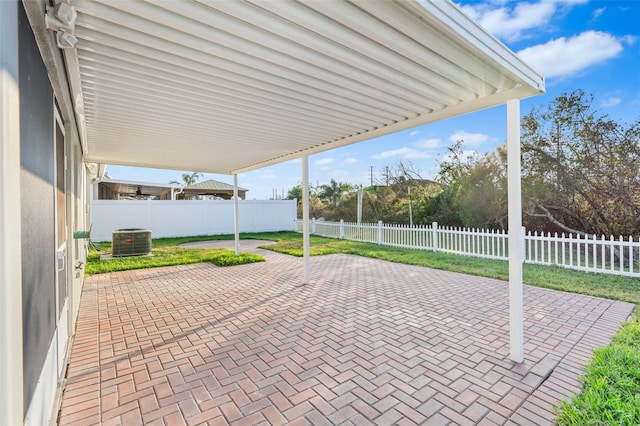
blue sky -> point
(575, 44)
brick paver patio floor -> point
(367, 342)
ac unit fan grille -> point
(130, 242)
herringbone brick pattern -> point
(367, 342)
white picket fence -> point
(593, 254)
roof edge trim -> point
(466, 27)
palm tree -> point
(190, 178)
(334, 191)
(295, 193)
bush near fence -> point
(609, 255)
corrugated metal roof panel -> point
(228, 86)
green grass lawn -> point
(165, 253)
(611, 394)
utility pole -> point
(371, 174)
(410, 207)
(558, 157)
(359, 208)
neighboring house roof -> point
(213, 185)
(214, 188)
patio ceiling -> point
(229, 86)
(146, 189)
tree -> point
(581, 174)
(333, 191)
(482, 192)
(295, 193)
(443, 206)
(403, 172)
(581, 170)
(317, 209)
(189, 179)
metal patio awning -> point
(230, 86)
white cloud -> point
(470, 139)
(324, 161)
(266, 173)
(408, 153)
(508, 22)
(572, 2)
(351, 161)
(597, 13)
(610, 102)
(567, 56)
(428, 143)
(415, 132)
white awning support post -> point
(305, 218)
(236, 222)
(11, 367)
(516, 254)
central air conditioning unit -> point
(130, 242)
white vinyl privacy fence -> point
(592, 253)
(190, 217)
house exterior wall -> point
(186, 217)
(43, 199)
(11, 367)
(37, 187)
